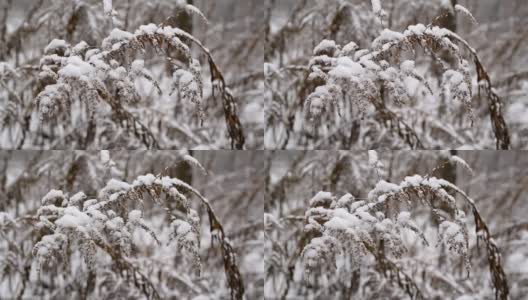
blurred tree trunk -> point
(3, 180)
(184, 172)
(184, 21)
(268, 51)
(448, 172)
(447, 19)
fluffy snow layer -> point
(383, 187)
(320, 198)
(76, 68)
(73, 218)
(117, 35)
(407, 66)
(145, 180)
(117, 185)
(342, 220)
(77, 198)
(52, 195)
(387, 35)
(55, 44)
(346, 68)
(404, 217)
(134, 215)
(325, 46)
(148, 29)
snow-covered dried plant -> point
(140, 228)
(106, 223)
(92, 88)
(356, 225)
(376, 226)
(367, 76)
(402, 261)
(106, 75)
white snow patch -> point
(105, 156)
(148, 29)
(118, 34)
(77, 198)
(372, 157)
(56, 43)
(407, 66)
(350, 48)
(346, 68)
(76, 68)
(117, 185)
(107, 7)
(385, 36)
(342, 220)
(145, 180)
(413, 181)
(417, 29)
(383, 187)
(320, 197)
(404, 217)
(134, 215)
(326, 46)
(137, 66)
(73, 218)
(52, 195)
